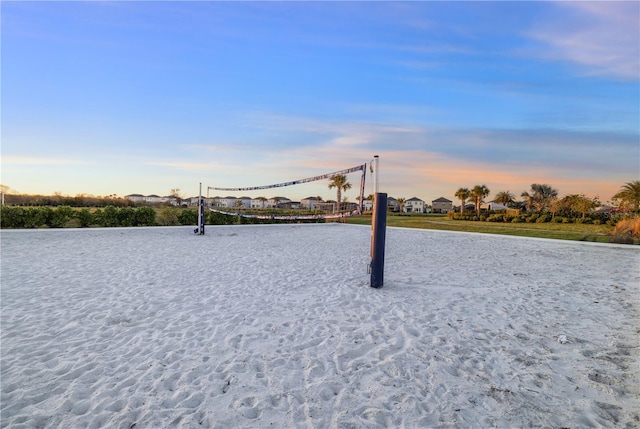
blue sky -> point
(142, 97)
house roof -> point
(415, 199)
(441, 200)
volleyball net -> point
(332, 195)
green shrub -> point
(59, 217)
(12, 217)
(543, 218)
(126, 216)
(188, 217)
(496, 218)
(109, 217)
(145, 216)
(85, 218)
(168, 216)
(35, 217)
(517, 219)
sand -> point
(276, 326)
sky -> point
(144, 97)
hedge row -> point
(37, 217)
(532, 218)
(111, 216)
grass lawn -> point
(583, 232)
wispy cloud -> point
(603, 37)
(416, 157)
(8, 160)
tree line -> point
(542, 204)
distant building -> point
(414, 205)
(151, 199)
(312, 203)
(441, 205)
(492, 205)
(392, 204)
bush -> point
(532, 218)
(168, 216)
(59, 217)
(109, 217)
(85, 218)
(626, 231)
(145, 216)
(214, 218)
(188, 217)
(517, 219)
(126, 216)
(543, 218)
(35, 217)
(12, 217)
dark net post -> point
(201, 216)
(378, 234)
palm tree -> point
(541, 197)
(505, 198)
(629, 194)
(478, 194)
(339, 181)
(528, 200)
(262, 200)
(400, 202)
(463, 195)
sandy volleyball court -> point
(276, 326)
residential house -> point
(243, 202)
(226, 202)
(152, 199)
(311, 203)
(392, 204)
(136, 198)
(492, 205)
(441, 205)
(258, 203)
(278, 202)
(414, 205)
